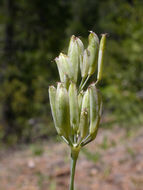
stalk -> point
(74, 156)
(85, 82)
(82, 81)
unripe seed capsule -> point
(85, 103)
(84, 66)
(93, 49)
(80, 50)
(73, 53)
(80, 97)
(95, 105)
(83, 126)
(63, 66)
(52, 97)
(100, 57)
(62, 110)
(64, 59)
(80, 46)
(94, 133)
(60, 69)
(59, 85)
(74, 109)
(66, 81)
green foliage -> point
(31, 40)
(124, 73)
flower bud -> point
(52, 97)
(84, 65)
(83, 126)
(73, 53)
(62, 110)
(74, 109)
(100, 57)
(93, 48)
(95, 109)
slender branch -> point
(85, 82)
(82, 81)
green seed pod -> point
(66, 81)
(86, 103)
(93, 134)
(80, 46)
(80, 49)
(63, 66)
(95, 109)
(59, 85)
(74, 109)
(60, 69)
(83, 126)
(65, 63)
(84, 65)
(52, 97)
(62, 110)
(93, 48)
(73, 53)
(80, 97)
(100, 57)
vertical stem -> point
(74, 156)
(73, 166)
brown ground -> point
(114, 161)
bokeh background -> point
(33, 33)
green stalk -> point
(85, 82)
(82, 81)
(74, 156)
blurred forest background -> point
(32, 33)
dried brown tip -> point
(105, 34)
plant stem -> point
(74, 156)
(73, 166)
(85, 82)
(82, 81)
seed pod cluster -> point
(76, 110)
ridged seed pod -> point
(83, 126)
(60, 69)
(100, 57)
(52, 97)
(80, 97)
(84, 65)
(66, 81)
(73, 53)
(80, 49)
(62, 110)
(80, 46)
(95, 109)
(93, 49)
(86, 103)
(74, 109)
(63, 66)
